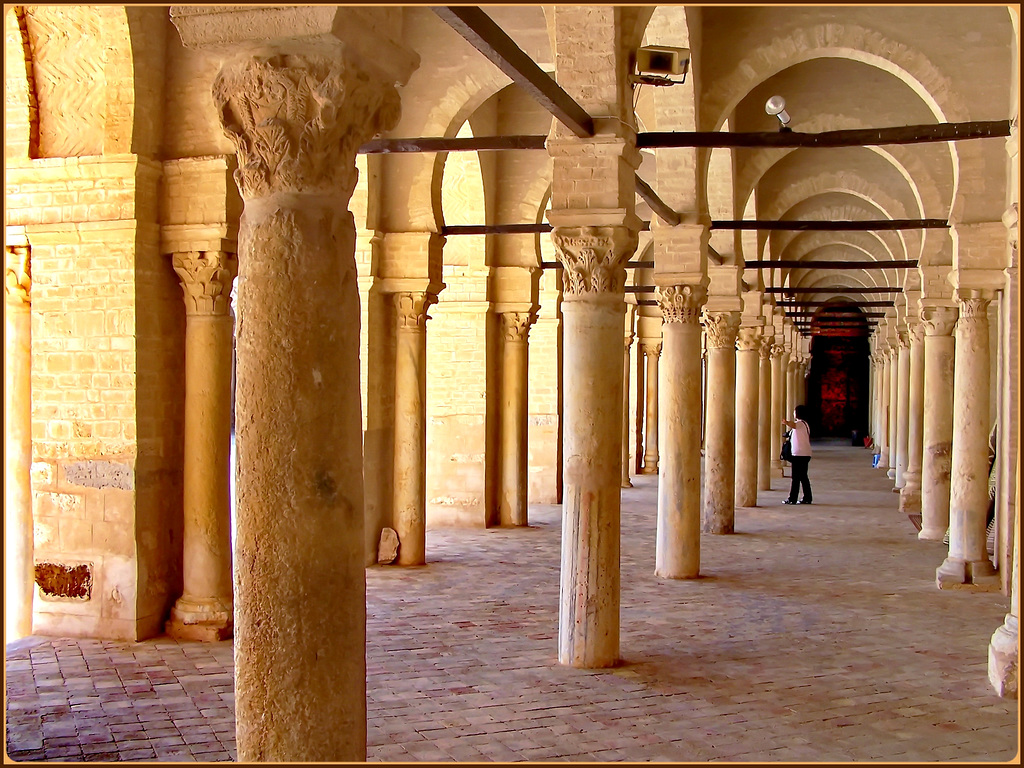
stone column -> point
(652, 351)
(894, 388)
(300, 598)
(19, 575)
(780, 360)
(627, 343)
(1004, 647)
(764, 416)
(514, 462)
(677, 554)
(968, 565)
(592, 311)
(884, 416)
(910, 496)
(902, 411)
(747, 363)
(205, 609)
(791, 393)
(410, 500)
(719, 450)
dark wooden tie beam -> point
(441, 144)
(874, 225)
(799, 303)
(487, 37)
(798, 264)
(866, 137)
(832, 289)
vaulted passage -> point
(815, 634)
(328, 325)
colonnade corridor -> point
(816, 633)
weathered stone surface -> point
(100, 474)
(387, 552)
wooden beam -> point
(819, 315)
(657, 204)
(810, 264)
(801, 303)
(639, 289)
(488, 38)
(441, 144)
(506, 229)
(831, 289)
(867, 137)
(871, 225)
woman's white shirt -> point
(801, 439)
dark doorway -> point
(837, 388)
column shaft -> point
(968, 564)
(653, 352)
(936, 457)
(628, 342)
(894, 389)
(410, 500)
(779, 361)
(764, 418)
(747, 365)
(884, 420)
(19, 576)
(677, 553)
(719, 451)
(903, 413)
(514, 503)
(910, 496)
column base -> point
(970, 576)
(931, 534)
(650, 468)
(1002, 658)
(910, 500)
(203, 620)
(626, 484)
(891, 473)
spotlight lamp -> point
(654, 64)
(776, 106)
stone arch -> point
(21, 105)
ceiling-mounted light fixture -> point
(776, 106)
(655, 62)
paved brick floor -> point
(815, 634)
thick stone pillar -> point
(514, 458)
(764, 415)
(780, 360)
(910, 496)
(902, 411)
(719, 451)
(592, 311)
(652, 351)
(627, 343)
(300, 598)
(677, 554)
(410, 499)
(19, 577)
(747, 401)
(894, 388)
(936, 456)
(968, 565)
(205, 609)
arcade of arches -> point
(380, 371)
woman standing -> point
(801, 440)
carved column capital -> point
(778, 350)
(628, 341)
(17, 275)
(515, 326)
(902, 341)
(915, 332)
(411, 309)
(206, 278)
(681, 303)
(721, 328)
(651, 348)
(765, 350)
(593, 258)
(939, 321)
(297, 121)
(749, 339)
